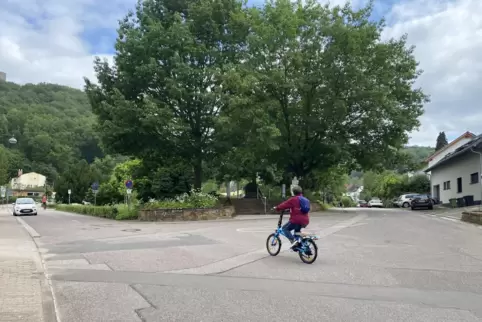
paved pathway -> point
(22, 281)
(374, 265)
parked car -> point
(406, 200)
(421, 201)
(362, 204)
(24, 206)
(395, 202)
(375, 202)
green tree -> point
(53, 125)
(441, 141)
(164, 91)
(4, 166)
(78, 178)
(323, 78)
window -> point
(474, 178)
(459, 185)
(447, 185)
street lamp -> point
(12, 140)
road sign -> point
(70, 192)
(3, 191)
(95, 186)
(129, 191)
(129, 184)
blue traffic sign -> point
(129, 184)
(95, 186)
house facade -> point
(458, 174)
(449, 148)
(30, 184)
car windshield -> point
(362, 201)
(25, 201)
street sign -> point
(95, 186)
(70, 192)
(129, 191)
(129, 184)
(3, 191)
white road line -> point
(451, 219)
(243, 259)
(28, 228)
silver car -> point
(25, 206)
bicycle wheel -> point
(273, 245)
(309, 251)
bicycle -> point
(306, 241)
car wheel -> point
(405, 205)
(14, 214)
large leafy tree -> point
(336, 93)
(162, 97)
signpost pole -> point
(70, 192)
(129, 185)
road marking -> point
(451, 219)
(28, 228)
(247, 258)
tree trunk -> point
(198, 173)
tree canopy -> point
(441, 141)
(53, 126)
(285, 90)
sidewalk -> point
(22, 281)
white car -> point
(404, 201)
(24, 206)
(375, 202)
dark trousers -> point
(288, 227)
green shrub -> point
(194, 199)
(118, 212)
(347, 202)
(126, 212)
(323, 206)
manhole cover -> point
(133, 230)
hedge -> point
(118, 212)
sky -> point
(56, 41)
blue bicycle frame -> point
(279, 231)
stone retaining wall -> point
(474, 217)
(186, 214)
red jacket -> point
(296, 216)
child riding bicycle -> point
(299, 207)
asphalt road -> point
(373, 265)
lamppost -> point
(12, 140)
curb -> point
(49, 304)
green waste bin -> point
(453, 202)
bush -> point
(347, 202)
(194, 199)
(323, 206)
(118, 212)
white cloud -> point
(40, 41)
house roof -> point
(463, 136)
(475, 143)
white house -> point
(28, 180)
(458, 174)
(449, 148)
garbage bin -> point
(460, 202)
(469, 201)
(453, 202)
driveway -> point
(373, 265)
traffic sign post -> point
(95, 189)
(129, 185)
(69, 192)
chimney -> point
(3, 77)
